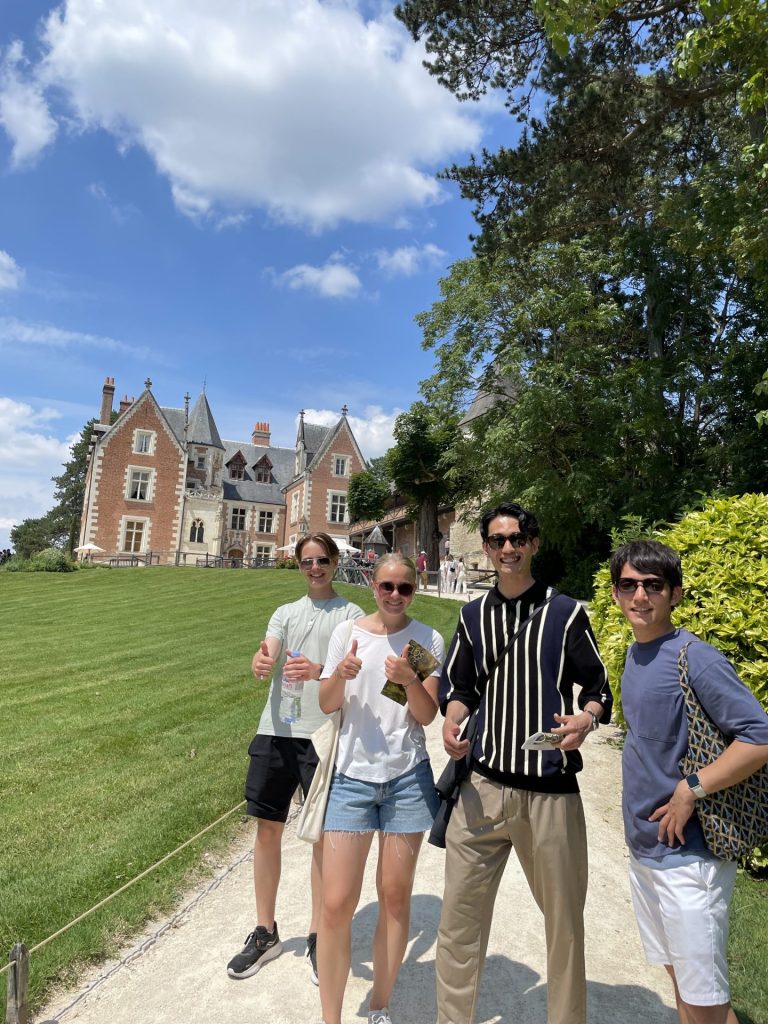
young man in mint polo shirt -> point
(681, 892)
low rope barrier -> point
(127, 885)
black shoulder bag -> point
(456, 772)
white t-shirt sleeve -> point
(337, 647)
(437, 646)
(276, 626)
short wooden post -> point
(16, 1010)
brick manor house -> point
(162, 483)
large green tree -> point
(70, 490)
(422, 439)
(60, 527)
(616, 307)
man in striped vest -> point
(515, 797)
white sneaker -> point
(379, 1016)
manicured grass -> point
(748, 949)
(126, 709)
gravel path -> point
(182, 976)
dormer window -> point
(262, 471)
(236, 466)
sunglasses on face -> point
(404, 589)
(307, 563)
(498, 540)
(650, 586)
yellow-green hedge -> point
(724, 549)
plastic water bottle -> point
(291, 691)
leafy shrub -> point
(287, 563)
(52, 560)
(724, 550)
(16, 564)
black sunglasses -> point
(307, 563)
(650, 586)
(498, 540)
(405, 589)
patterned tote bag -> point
(734, 820)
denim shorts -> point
(402, 805)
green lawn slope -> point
(126, 709)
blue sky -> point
(235, 192)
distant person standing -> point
(421, 569)
(281, 754)
(460, 584)
(445, 572)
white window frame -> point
(200, 460)
(195, 521)
(266, 514)
(133, 471)
(238, 508)
(339, 495)
(140, 435)
(264, 551)
(345, 461)
(145, 524)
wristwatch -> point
(695, 786)
(595, 720)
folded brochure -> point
(543, 741)
(423, 663)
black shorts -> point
(278, 765)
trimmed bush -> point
(724, 550)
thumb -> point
(264, 649)
(353, 648)
(405, 652)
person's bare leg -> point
(394, 884)
(344, 857)
(690, 1014)
(316, 882)
(267, 861)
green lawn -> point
(126, 711)
(126, 708)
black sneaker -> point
(260, 947)
(311, 956)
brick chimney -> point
(125, 403)
(107, 395)
(260, 435)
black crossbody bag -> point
(457, 772)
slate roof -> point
(202, 426)
(249, 489)
(314, 438)
(175, 418)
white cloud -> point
(304, 109)
(11, 274)
(15, 332)
(334, 280)
(372, 430)
(23, 111)
(409, 259)
(32, 454)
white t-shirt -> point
(379, 739)
(306, 626)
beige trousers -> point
(549, 836)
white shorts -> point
(682, 914)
